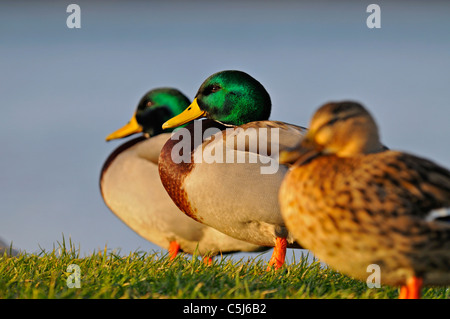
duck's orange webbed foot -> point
(207, 260)
(279, 254)
(174, 248)
(412, 289)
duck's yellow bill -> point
(131, 127)
(305, 150)
(191, 113)
(288, 156)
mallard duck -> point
(229, 189)
(131, 187)
(354, 204)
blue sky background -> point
(63, 90)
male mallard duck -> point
(131, 187)
(354, 204)
(229, 189)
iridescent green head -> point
(155, 107)
(231, 97)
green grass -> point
(105, 274)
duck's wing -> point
(433, 182)
(424, 185)
(235, 185)
(287, 135)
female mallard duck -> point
(221, 183)
(354, 204)
(131, 187)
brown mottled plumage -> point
(354, 205)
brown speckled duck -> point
(354, 204)
(131, 187)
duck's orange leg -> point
(279, 254)
(207, 260)
(403, 292)
(174, 248)
(412, 289)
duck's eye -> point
(149, 103)
(326, 124)
(332, 121)
(211, 89)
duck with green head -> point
(131, 187)
(233, 197)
